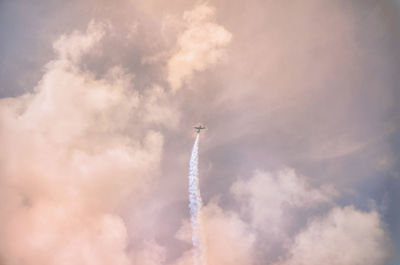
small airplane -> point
(198, 128)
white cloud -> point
(72, 46)
(267, 196)
(70, 158)
(158, 108)
(150, 254)
(228, 240)
(345, 236)
(199, 46)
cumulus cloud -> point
(72, 46)
(158, 108)
(88, 140)
(228, 239)
(201, 45)
(50, 232)
(150, 254)
(345, 236)
(69, 158)
(267, 197)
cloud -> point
(269, 197)
(159, 109)
(71, 158)
(72, 46)
(150, 254)
(55, 233)
(198, 47)
(84, 174)
(345, 236)
(342, 236)
(228, 239)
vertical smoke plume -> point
(195, 205)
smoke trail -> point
(195, 205)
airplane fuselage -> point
(199, 128)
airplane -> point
(198, 128)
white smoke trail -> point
(195, 205)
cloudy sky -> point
(299, 164)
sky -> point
(299, 164)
